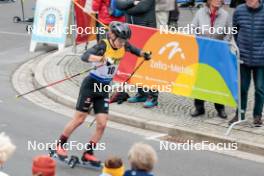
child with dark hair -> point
(113, 166)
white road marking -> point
(14, 33)
(156, 137)
(1, 101)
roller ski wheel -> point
(16, 19)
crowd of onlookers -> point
(142, 158)
(248, 19)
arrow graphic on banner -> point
(176, 49)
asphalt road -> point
(26, 122)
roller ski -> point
(74, 161)
(87, 161)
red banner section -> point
(85, 24)
(129, 62)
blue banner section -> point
(218, 55)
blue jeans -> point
(258, 77)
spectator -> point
(43, 166)
(142, 158)
(102, 7)
(249, 20)
(211, 15)
(141, 12)
(6, 150)
(174, 16)
(163, 8)
(113, 166)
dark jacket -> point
(142, 14)
(137, 173)
(174, 14)
(250, 37)
(235, 3)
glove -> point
(147, 55)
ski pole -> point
(134, 71)
(131, 75)
(91, 124)
(60, 81)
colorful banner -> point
(184, 64)
(84, 21)
(51, 21)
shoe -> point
(150, 103)
(114, 98)
(235, 119)
(257, 121)
(119, 97)
(222, 114)
(88, 156)
(136, 99)
(61, 152)
(197, 113)
(123, 96)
